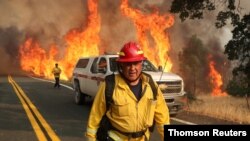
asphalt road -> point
(32, 109)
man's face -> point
(131, 70)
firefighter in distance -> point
(57, 71)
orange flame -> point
(216, 80)
(156, 25)
(79, 43)
(32, 56)
(35, 60)
(83, 43)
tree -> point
(238, 48)
(193, 66)
(192, 9)
(237, 87)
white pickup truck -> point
(90, 71)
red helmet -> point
(131, 52)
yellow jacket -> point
(127, 113)
(56, 71)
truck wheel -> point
(79, 96)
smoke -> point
(45, 20)
(9, 41)
(180, 32)
(115, 29)
(213, 38)
(49, 20)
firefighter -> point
(56, 71)
(133, 109)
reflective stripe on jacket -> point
(126, 113)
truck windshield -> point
(147, 65)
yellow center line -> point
(40, 135)
(22, 96)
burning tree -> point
(199, 69)
(215, 79)
(237, 48)
(193, 66)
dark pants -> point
(57, 84)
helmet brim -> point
(121, 60)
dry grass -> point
(224, 107)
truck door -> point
(97, 73)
